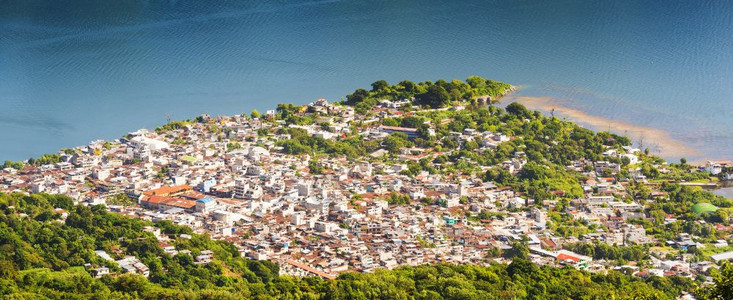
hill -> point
(46, 242)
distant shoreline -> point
(668, 147)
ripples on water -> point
(74, 71)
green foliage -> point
(519, 250)
(286, 110)
(45, 159)
(434, 95)
(315, 168)
(38, 239)
(255, 114)
(359, 96)
(604, 251)
(518, 110)
(174, 125)
(18, 165)
(723, 288)
(521, 280)
(499, 176)
(539, 180)
(412, 122)
(121, 199)
(233, 146)
(379, 85)
(301, 143)
(398, 199)
(396, 141)
(679, 203)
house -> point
(145, 142)
(167, 248)
(99, 272)
(206, 185)
(410, 132)
(633, 159)
(131, 264)
(205, 204)
(567, 256)
(168, 191)
(713, 168)
(205, 257)
(325, 227)
(297, 218)
(722, 256)
(154, 230)
(164, 203)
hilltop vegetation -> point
(435, 95)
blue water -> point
(76, 71)
(725, 192)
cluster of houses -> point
(131, 264)
(128, 264)
(228, 177)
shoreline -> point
(655, 139)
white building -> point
(205, 204)
(152, 144)
(297, 218)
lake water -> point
(725, 192)
(76, 71)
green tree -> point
(315, 168)
(379, 85)
(436, 96)
(518, 110)
(395, 142)
(520, 250)
(723, 288)
(358, 96)
(476, 82)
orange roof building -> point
(165, 197)
(169, 190)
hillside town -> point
(322, 215)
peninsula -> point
(425, 190)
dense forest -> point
(46, 242)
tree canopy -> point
(434, 95)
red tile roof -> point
(564, 257)
(182, 203)
(154, 199)
(168, 190)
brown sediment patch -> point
(663, 142)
